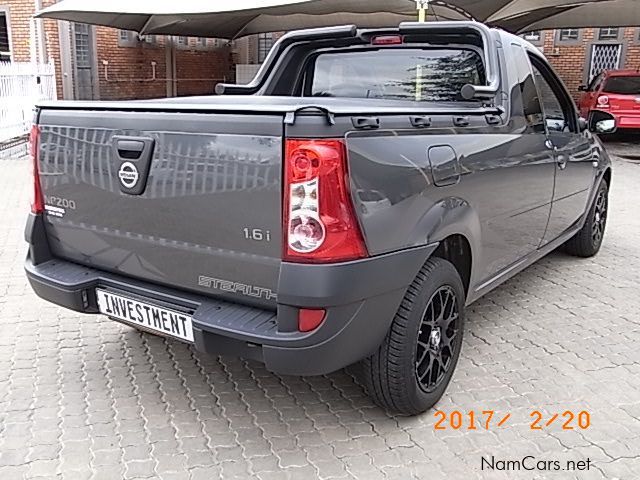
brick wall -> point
(632, 38)
(571, 60)
(198, 72)
(20, 13)
(568, 60)
(129, 72)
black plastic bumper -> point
(360, 298)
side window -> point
(531, 106)
(557, 107)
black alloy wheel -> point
(587, 242)
(599, 223)
(413, 366)
(436, 338)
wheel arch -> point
(456, 249)
(454, 224)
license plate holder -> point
(145, 315)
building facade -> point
(100, 63)
(579, 54)
(94, 63)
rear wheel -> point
(588, 240)
(412, 368)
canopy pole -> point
(422, 5)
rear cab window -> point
(406, 73)
(622, 85)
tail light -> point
(37, 201)
(319, 222)
(603, 101)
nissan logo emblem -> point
(128, 175)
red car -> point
(616, 92)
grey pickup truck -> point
(341, 209)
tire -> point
(391, 374)
(587, 242)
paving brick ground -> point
(84, 397)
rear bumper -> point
(360, 298)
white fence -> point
(22, 85)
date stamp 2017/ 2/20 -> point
(491, 419)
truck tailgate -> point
(190, 200)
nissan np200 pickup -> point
(343, 208)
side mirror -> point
(583, 88)
(602, 123)
(606, 126)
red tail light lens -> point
(320, 225)
(309, 320)
(387, 40)
(37, 201)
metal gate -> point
(604, 57)
(84, 62)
